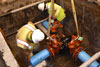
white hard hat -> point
(37, 36)
(41, 6)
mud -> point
(12, 22)
(2, 62)
(14, 4)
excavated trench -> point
(89, 24)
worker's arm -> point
(58, 11)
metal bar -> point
(30, 5)
(43, 29)
(22, 8)
(50, 15)
(36, 23)
(75, 17)
(40, 21)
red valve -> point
(74, 46)
(55, 44)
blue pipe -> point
(45, 24)
(42, 55)
(83, 56)
(39, 57)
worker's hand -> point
(54, 17)
(47, 38)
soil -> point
(2, 62)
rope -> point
(75, 17)
(50, 15)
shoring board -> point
(7, 56)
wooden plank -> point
(50, 15)
(7, 56)
(42, 28)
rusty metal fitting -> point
(76, 52)
(74, 46)
(55, 45)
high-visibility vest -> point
(61, 14)
(22, 36)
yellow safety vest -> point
(61, 13)
(22, 36)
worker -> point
(59, 13)
(28, 36)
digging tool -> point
(40, 21)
